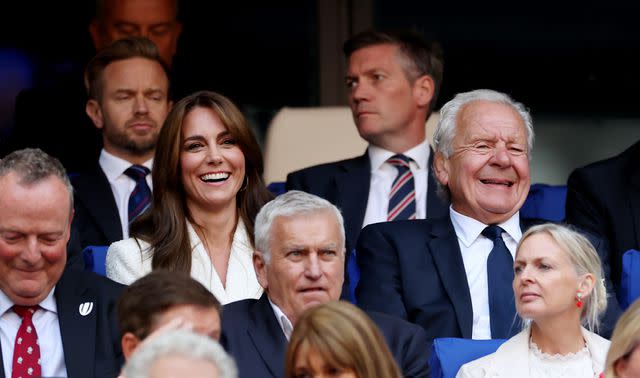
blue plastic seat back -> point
(94, 257)
(450, 353)
(277, 187)
(630, 280)
(545, 202)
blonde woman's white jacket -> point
(511, 359)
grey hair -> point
(585, 260)
(446, 129)
(179, 343)
(291, 203)
(33, 165)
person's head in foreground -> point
(337, 339)
(300, 252)
(166, 299)
(36, 202)
(623, 359)
(483, 145)
(180, 353)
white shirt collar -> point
(419, 154)
(284, 322)
(468, 229)
(48, 303)
(114, 166)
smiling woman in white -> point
(558, 288)
(207, 180)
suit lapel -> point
(634, 201)
(267, 336)
(77, 331)
(436, 207)
(446, 254)
(96, 195)
(352, 195)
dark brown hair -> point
(147, 298)
(122, 49)
(419, 56)
(164, 226)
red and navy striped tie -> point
(140, 198)
(402, 198)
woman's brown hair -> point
(164, 225)
(345, 337)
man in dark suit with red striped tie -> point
(53, 322)
(393, 80)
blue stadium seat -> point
(94, 257)
(545, 202)
(450, 353)
(276, 187)
(630, 280)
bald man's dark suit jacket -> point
(91, 343)
(253, 336)
(346, 184)
(604, 197)
(414, 270)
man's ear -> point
(260, 266)
(441, 168)
(424, 90)
(94, 112)
(129, 343)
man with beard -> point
(128, 88)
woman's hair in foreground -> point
(345, 337)
(625, 338)
(164, 225)
(179, 343)
(584, 259)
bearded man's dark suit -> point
(96, 219)
(604, 198)
(91, 342)
(253, 336)
(414, 270)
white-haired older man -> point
(300, 263)
(453, 276)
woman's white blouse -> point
(572, 365)
(130, 259)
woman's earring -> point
(579, 300)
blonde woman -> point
(337, 339)
(623, 359)
(558, 292)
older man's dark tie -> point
(500, 280)
(402, 198)
(140, 198)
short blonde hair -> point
(625, 338)
(345, 337)
(585, 260)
